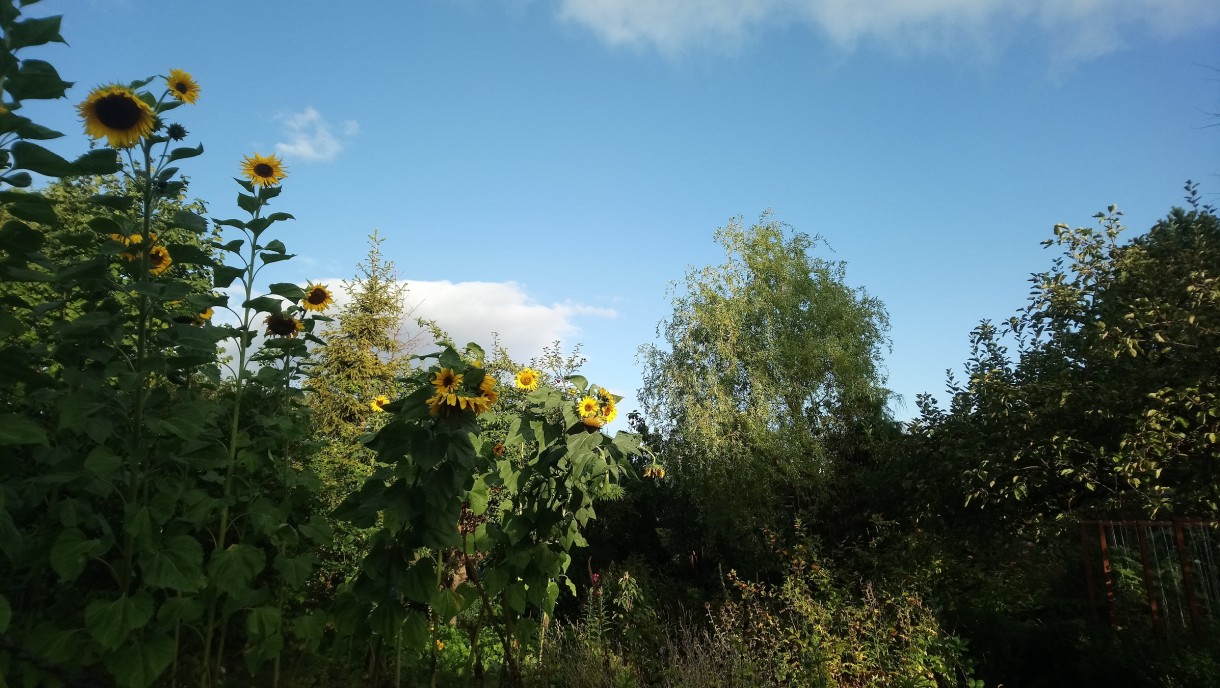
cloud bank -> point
(310, 137)
(1081, 29)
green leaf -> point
(180, 610)
(265, 304)
(6, 614)
(269, 258)
(233, 246)
(552, 596)
(18, 237)
(19, 180)
(31, 208)
(287, 290)
(478, 497)
(415, 630)
(310, 628)
(232, 570)
(31, 32)
(177, 564)
(514, 594)
(263, 622)
(184, 152)
(141, 663)
(223, 275)
(189, 221)
(419, 582)
(113, 201)
(110, 622)
(70, 552)
(386, 619)
(250, 204)
(579, 381)
(38, 80)
(33, 157)
(100, 161)
(16, 429)
(295, 571)
(446, 604)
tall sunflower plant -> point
(149, 516)
(485, 485)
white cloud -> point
(1081, 28)
(309, 136)
(472, 311)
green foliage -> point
(770, 367)
(1110, 402)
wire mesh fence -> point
(1160, 575)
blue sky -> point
(545, 168)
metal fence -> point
(1161, 575)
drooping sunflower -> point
(527, 379)
(498, 450)
(488, 384)
(379, 403)
(317, 298)
(203, 317)
(446, 381)
(604, 395)
(588, 407)
(280, 325)
(182, 86)
(118, 114)
(159, 260)
(263, 170)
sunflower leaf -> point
(265, 304)
(248, 203)
(275, 257)
(31, 32)
(184, 152)
(16, 429)
(33, 157)
(112, 201)
(19, 180)
(32, 208)
(230, 223)
(37, 80)
(98, 161)
(190, 221)
(287, 290)
(223, 275)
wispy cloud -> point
(1083, 28)
(310, 137)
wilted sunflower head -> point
(498, 450)
(182, 86)
(280, 325)
(378, 404)
(176, 131)
(317, 298)
(263, 170)
(488, 384)
(118, 114)
(159, 260)
(527, 379)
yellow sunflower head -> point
(609, 412)
(263, 170)
(182, 86)
(588, 407)
(280, 325)
(446, 381)
(527, 379)
(593, 421)
(604, 395)
(488, 384)
(204, 316)
(118, 114)
(317, 298)
(159, 260)
(378, 404)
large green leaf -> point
(31, 32)
(140, 664)
(71, 551)
(6, 614)
(38, 80)
(15, 429)
(110, 622)
(232, 570)
(177, 564)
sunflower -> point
(588, 407)
(280, 325)
(488, 384)
(379, 403)
(317, 298)
(498, 450)
(263, 170)
(605, 396)
(159, 260)
(593, 421)
(446, 381)
(182, 86)
(527, 379)
(203, 317)
(118, 114)
(610, 412)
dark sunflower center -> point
(281, 326)
(118, 111)
(181, 87)
(264, 170)
(317, 296)
(156, 258)
(447, 381)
